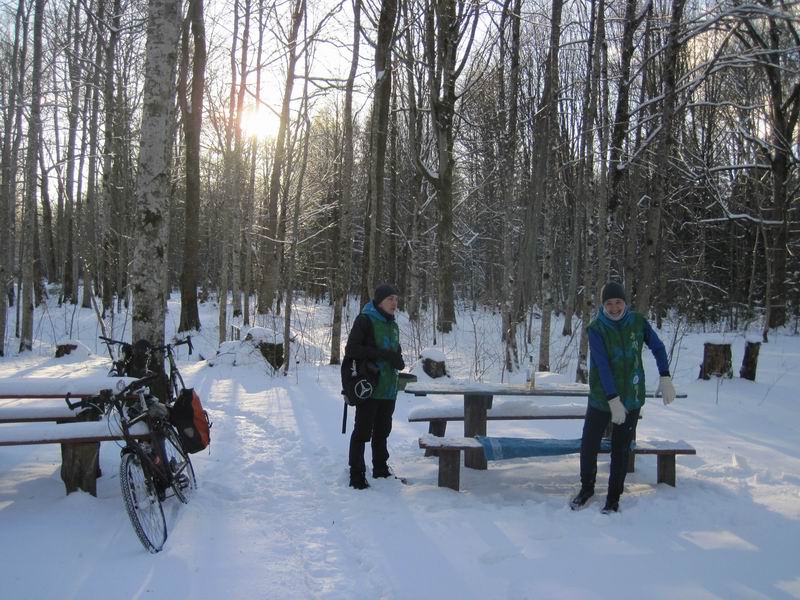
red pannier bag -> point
(191, 421)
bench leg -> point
(631, 461)
(666, 469)
(438, 429)
(449, 469)
(80, 466)
(475, 424)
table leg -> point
(475, 407)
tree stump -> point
(716, 360)
(750, 361)
(80, 463)
(433, 368)
(65, 349)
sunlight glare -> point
(261, 124)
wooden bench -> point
(450, 449)
(37, 406)
(80, 446)
(510, 410)
(478, 401)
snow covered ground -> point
(274, 518)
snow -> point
(274, 518)
(434, 354)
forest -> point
(511, 154)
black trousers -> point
(621, 438)
(373, 422)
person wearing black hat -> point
(375, 337)
(616, 390)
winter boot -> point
(612, 506)
(358, 480)
(381, 471)
(579, 501)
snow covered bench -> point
(33, 411)
(80, 446)
(449, 450)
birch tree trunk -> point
(31, 184)
(152, 187)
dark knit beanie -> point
(613, 290)
(383, 291)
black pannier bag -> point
(191, 421)
(359, 380)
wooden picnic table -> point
(478, 397)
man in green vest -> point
(616, 390)
(375, 338)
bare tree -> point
(342, 275)
(152, 188)
(31, 169)
(192, 116)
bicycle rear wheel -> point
(180, 466)
(142, 503)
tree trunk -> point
(342, 276)
(31, 184)
(648, 267)
(546, 185)
(152, 189)
(192, 116)
(270, 247)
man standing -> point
(616, 390)
(375, 338)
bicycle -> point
(151, 464)
(137, 359)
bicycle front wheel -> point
(180, 466)
(142, 503)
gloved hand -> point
(618, 411)
(393, 358)
(666, 389)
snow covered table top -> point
(479, 388)
(510, 409)
(58, 387)
(52, 433)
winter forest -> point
(505, 153)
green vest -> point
(387, 336)
(624, 349)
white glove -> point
(666, 389)
(618, 411)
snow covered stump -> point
(750, 360)
(716, 360)
(433, 363)
(259, 344)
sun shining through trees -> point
(260, 123)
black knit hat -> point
(383, 291)
(613, 290)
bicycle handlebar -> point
(106, 396)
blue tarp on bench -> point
(501, 448)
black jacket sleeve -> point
(361, 341)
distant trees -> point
(513, 154)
